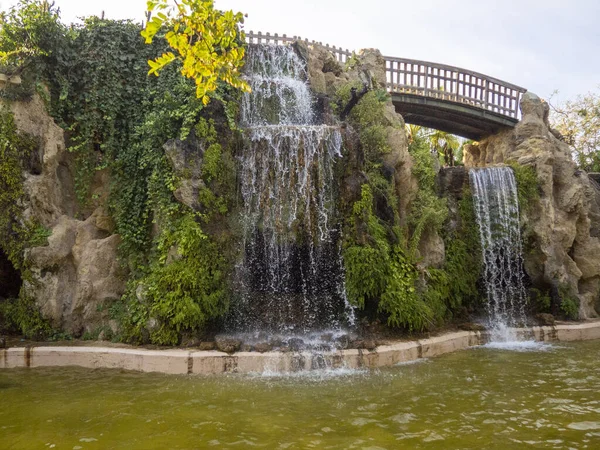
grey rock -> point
(545, 319)
(296, 344)
(263, 347)
(228, 345)
(470, 326)
(206, 346)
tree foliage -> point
(442, 144)
(28, 31)
(207, 41)
(579, 123)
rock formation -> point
(326, 77)
(562, 228)
(78, 272)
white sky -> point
(541, 45)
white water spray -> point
(497, 210)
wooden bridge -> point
(439, 96)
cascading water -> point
(290, 279)
(497, 210)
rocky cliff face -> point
(78, 272)
(326, 77)
(562, 228)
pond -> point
(478, 398)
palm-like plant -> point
(441, 143)
(412, 131)
(445, 144)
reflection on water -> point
(520, 346)
(480, 398)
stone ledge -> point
(215, 362)
(164, 361)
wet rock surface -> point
(470, 326)
(263, 347)
(545, 319)
(228, 345)
(206, 346)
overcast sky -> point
(541, 45)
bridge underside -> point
(460, 119)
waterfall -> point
(290, 278)
(497, 210)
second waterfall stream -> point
(497, 211)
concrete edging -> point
(180, 361)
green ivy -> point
(368, 117)
(427, 210)
(366, 253)
(569, 303)
(16, 233)
(528, 186)
(463, 256)
(22, 316)
(540, 300)
(117, 119)
(379, 269)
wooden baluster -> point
(469, 89)
(455, 85)
(444, 87)
(399, 76)
(485, 94)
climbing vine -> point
(427, 209)
(463, 257)
(528, 186)
(17, 233)
(117, 120)
(381, 271)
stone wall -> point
(562, 228)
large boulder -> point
(76, 275)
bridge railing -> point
(453, 84)
(339, 53)
(427, 79)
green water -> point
(478, 398)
